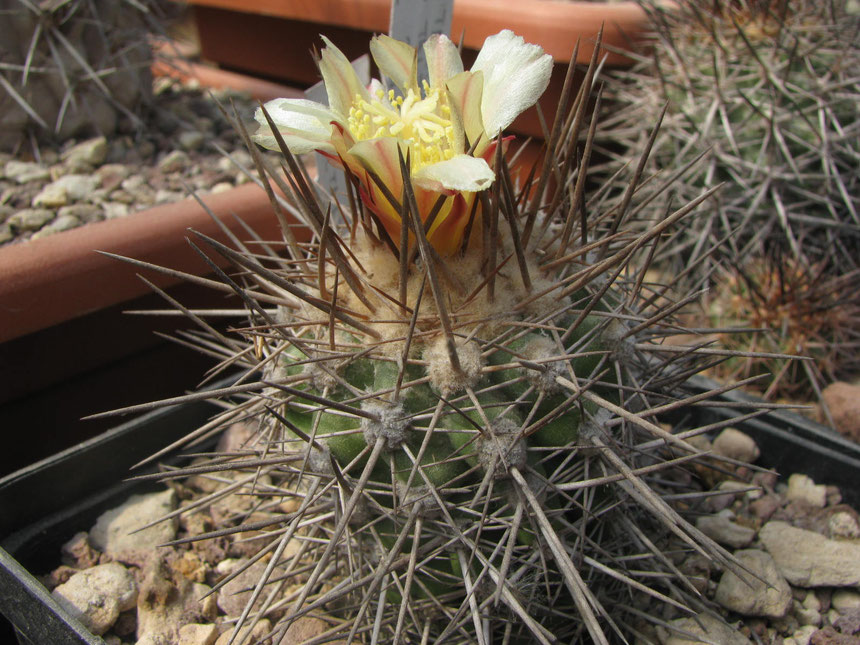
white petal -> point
(287, 111)
(305, 125)
(443, 59)
(516, 73)
(462, 173)
(297, 144)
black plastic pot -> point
(789, 442)
(43, 505)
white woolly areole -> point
(283, 315)
(418, 495)
(390, 423)
(443, 377)
(275, 372)
(501, 447)
(614, 337)
(319, 377)
(595, 424)
(538, 350)
(319, 460)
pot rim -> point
(553, 25)
(51, 280)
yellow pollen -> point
(423, 123)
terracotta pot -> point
(54, 279)
(69, 348)
(555, 26)
(274, 38)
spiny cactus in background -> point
(789, 309)
(72, 67)
(457, 378)
(768, 93)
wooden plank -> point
(414, 21)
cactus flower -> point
(447, 126)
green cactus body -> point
(343, 433)
(467, 439)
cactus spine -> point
(767, 91)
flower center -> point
(424, 124)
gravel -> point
(803, 555)
(51, 189)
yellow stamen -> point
(424, 124)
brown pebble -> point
(60, 575)
(126, 624)
(829, 636)
(765, 480)
(80, 552)
(843, 400)
(306, 628)
(764, 507)
(849, 622)
(757, 626)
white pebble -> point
(811, 601)
(803, 488)
(802, 636)
(97, 595)
(22, 172)
(119, 533)
(843, 525)
(734, 444)
(197, 634)
(845, 600)
(806, 616)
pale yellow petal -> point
(341, 82)
(465, 91)
(397, 60)
(443, 59)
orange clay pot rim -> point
(214, 78)
(552, 24)
(48, 281)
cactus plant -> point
(767, 91)
(456, 380)
(72, 67)
(789, 312)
